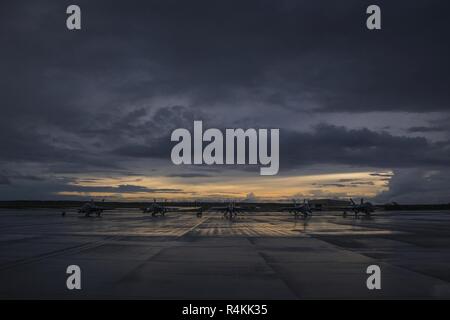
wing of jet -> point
(90, 209)
(157, 209)
(302, 208)
(364, 207)
(231, 210)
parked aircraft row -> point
(231, 210)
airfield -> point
(128, 255)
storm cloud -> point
(104, 100)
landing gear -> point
(161, 213)
(229, 215)
(305, 215)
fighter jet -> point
(91, 208)
(231, 210)
(302, 208)
(199, 210)
(365, 207)
(158, 209)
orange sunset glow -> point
(337, 185)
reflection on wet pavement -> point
(126, 254)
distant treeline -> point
(264, 206)
(35, 204)
(71, 204)
(108, 204)
(391, 207)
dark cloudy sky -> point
(89, 113)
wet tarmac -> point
(128, 255)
